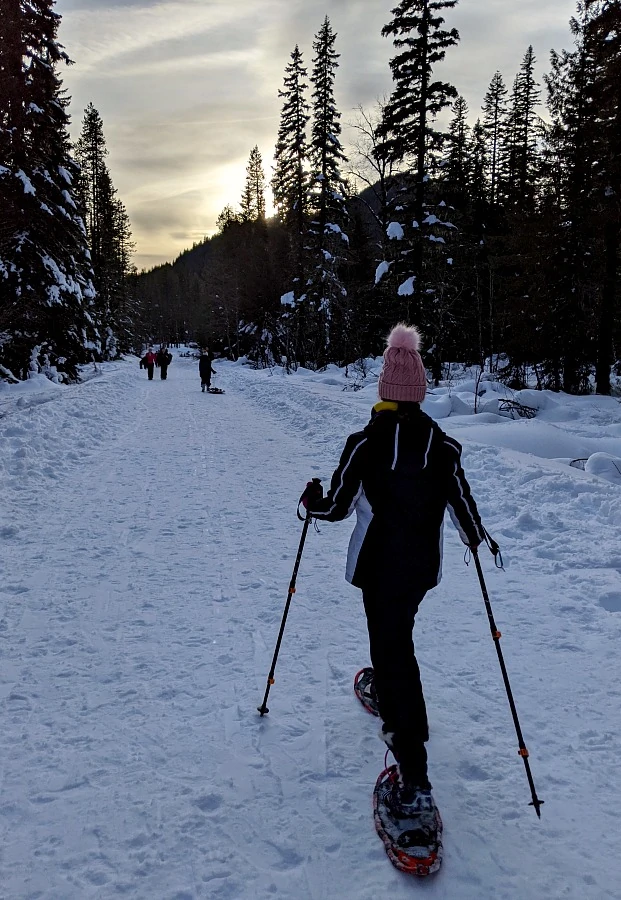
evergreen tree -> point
(479, 165)
(408, 134)
(46, 290)
(226, 218)
(290, 180)
(326, 294)
(326, 153)
(253, 196)
(514, 238)
(603, 34)
(565, 270)
(457, 168)
(109, 236)
(290, 187)
(494, 121)
(479, 226)
(583, 183)
(522, 137)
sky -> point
(186, 88)
(147, 539)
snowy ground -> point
(147, 536)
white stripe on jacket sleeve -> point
(463, 513)
(341, 474)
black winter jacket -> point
(205, 368)
(400, 473)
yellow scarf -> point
(384, 405)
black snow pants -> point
(163, 372)
(390, 620)
(150, 367)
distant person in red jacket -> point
(148, 362)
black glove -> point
(312, 494)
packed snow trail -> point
(146, 545)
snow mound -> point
(605, 466)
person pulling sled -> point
(206, 370)
(400, 473)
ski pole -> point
(263, 709)
(496, 635)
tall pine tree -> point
(567, 288)
(109, 237)
(409, 136)
(457, 168)
(603, 33)
(326, 294)
(46, 289)
(290, 179)
(522, 137)
(290, 188)
(494, 123)
(253, 196)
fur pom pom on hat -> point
(403, 375)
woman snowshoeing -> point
(399, 474)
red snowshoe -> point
(364, 689)
(413, 844)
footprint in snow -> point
(471, 772)
(208, 803)
(611, 601)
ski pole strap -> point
(494, 548)
(315, 483)
(307, 516)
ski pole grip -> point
(316, 483)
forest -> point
(496, 233)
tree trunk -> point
(607, 307)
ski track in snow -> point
(147, 538)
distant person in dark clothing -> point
(163, 360)
(205, 369)
(148, 362)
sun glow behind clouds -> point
(184, 96)
(186, 88)
(192, 205)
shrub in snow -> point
(536, 399)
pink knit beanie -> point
(403, 375)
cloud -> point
(101, 36)
(186, 88)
